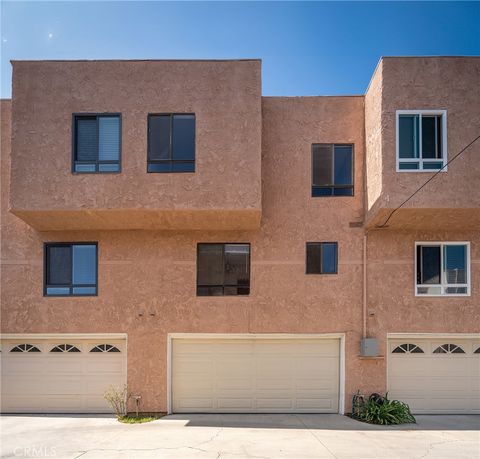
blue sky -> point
(307, 48)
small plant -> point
(139, 419)
(381, 410)
(117, 398)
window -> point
(407, 348)
(322, 257)
(171, 143)
(25, 348)
(104, 348)
(71, 269)
(332, 170)
(97, 140)
(443, 268)
(449, 349)
(223, 269)
(421, 140)
(65, 348)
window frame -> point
(70, 286)
(321, 273)
(223, 244)
(97, 162)
(352, 186)
(171, 161)
(420, 160)
(443, 285)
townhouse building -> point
(165, 226)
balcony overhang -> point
(446, 219)
(141, 219)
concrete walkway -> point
(238, 436)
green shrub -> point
(380, 410)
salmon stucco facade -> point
(166, 227)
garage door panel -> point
(435, 383)
(255, 375)
(235, 404)
(69, 382)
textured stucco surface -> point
(226, 99)
(422, 83)
(147, 278)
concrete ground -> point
(238, 436)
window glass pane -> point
(322, 165)
(109, 167)
(343, 165)
(160, 167)
(236, 291)
(183, 139)
(321, 191)
(237, 266)
(433, 166)
(329, 258)
(84, 167)
(343, 191)
(58, 291)
(159, 137)
(84, 290)
(430, 264)
(455, 261)
(210, 264)
(429, 290)
(183, 167)
(408, 136)
(429, 137)
(313, 258)
(84, 264)
(456, 290)
(109, 138)
(59, 265)
(86, 139)
(406, 166)
(209, 291)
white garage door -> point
(435, 376)
(255, 375)
(60, 376)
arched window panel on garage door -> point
(449, 349)
(25, 348)
(407, 348)
(65, 348)
(105, 348)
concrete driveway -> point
(238, 436)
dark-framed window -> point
(171, 142)
(322, 258)
(97, 140)
(223, 269)
(332, 169)
(71, 269)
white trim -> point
(420, 160)
(339, 336)
(63, 335)
(443, 285)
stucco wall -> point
(147, 278)
(226, 99)
(443, 83)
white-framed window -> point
(421, 139)
(442, 269)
